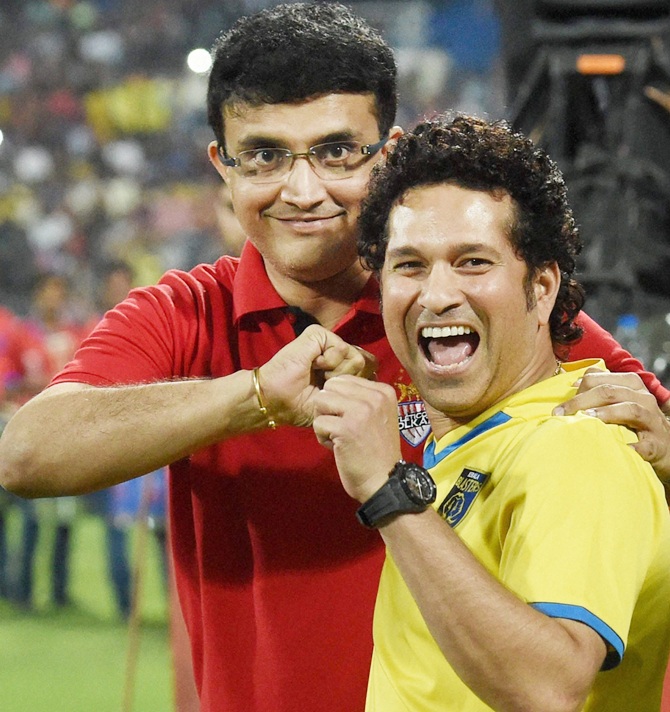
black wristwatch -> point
(409, 488)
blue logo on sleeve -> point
(459, 500)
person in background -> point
(120, 506)
(4, 548)
(13, 345)
(214, 373)
(142, 497)
(514, 579)
(116, 278)
(9, 369)
(51, 337)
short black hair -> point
(486, 156)
(298, 51)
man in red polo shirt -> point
(212, 372)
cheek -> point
(349, 192)
(399, 303)
(248, 206)
(500, 297)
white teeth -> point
(436, 332)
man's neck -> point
(545, 367)
(327, 300)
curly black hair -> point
(297, 51)
(487, 156)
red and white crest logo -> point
(413, 422)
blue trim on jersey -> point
(430, 459)
(615, 646)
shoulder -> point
(205, 276)
(580, 428)
(205, 284)
(578, 448)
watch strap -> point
(389, 499)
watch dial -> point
(419, 487)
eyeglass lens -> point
(330, 161)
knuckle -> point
(608, 393)
(644, 451)
(638, 411)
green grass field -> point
(74, 659)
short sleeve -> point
(580, 510)
(157, 333)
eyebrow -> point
(266, 141)
(461, 248)
(408, 251)
(475, 247)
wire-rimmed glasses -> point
(334, 160)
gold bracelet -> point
(261, 404)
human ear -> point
(546, 286)
(394, 134)
(215, 159)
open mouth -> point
(448, 346)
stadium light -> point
(199, 61)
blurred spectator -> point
(16, 355)
(4, 554)
(120, 506)
(18, 269)
(13, 343)
(127, 503)
(116, 280)
(6, 501)
(53, 336)
(52, 322)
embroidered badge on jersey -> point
(412, 418)
(457, 503)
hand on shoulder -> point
(622, 398)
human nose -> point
(440, 290)
(302, 187)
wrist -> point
(409, 488)
(261, 400)
(370, 488)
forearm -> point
(513, 657)
(73, 439)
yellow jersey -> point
(567, 516)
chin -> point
(314, 273)
(455, 399)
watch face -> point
(419, 484)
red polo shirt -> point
(276, 578)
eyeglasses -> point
(330, 161)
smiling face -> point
(458, 309)
(303, 225)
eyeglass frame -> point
(368, 150)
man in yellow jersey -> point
(528, 567)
